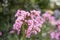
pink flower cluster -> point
(32, 18)
(55, 35)
(35, 23)
(51, 19)
(58, 24)
(48, 17)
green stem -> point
(24, 36)
(33, 37)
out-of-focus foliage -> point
(9, 7)
(43, 3)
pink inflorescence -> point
(35, 23)
(32, 18)
(55, 35)
(58, 24)
(51, 19)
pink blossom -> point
(20, 18)
(21, 13)
(46, 15)
(28, 14)
(30, 22)
(17, 26)
(18, 13)
(58, 27)
(0, 33)
(28, 34)
(34, 12)
(57, 36)
(52, 34)
(58, 24)
(30, 26)
(12, 31)
(52, 20)
(34, 22)
(36, 28)
(34, 32)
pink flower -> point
(58, 24)
(34, 32)
(46, 15)
(0, 33)
(12, 31)
(52, 34)
(33, 19)
(30, 22)
(57, 36)
(28, 14)
(39, 21)
(28, 34)
(36, 28)
(58, 27)
(18, 13)
(36, 13)
(30, 26)
(17, 26)
(52, 20)
(21, 13)
(19, 18)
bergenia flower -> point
(58, 24)
(52, 34)
(46, 15)
(57, 36)
(32, 18)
